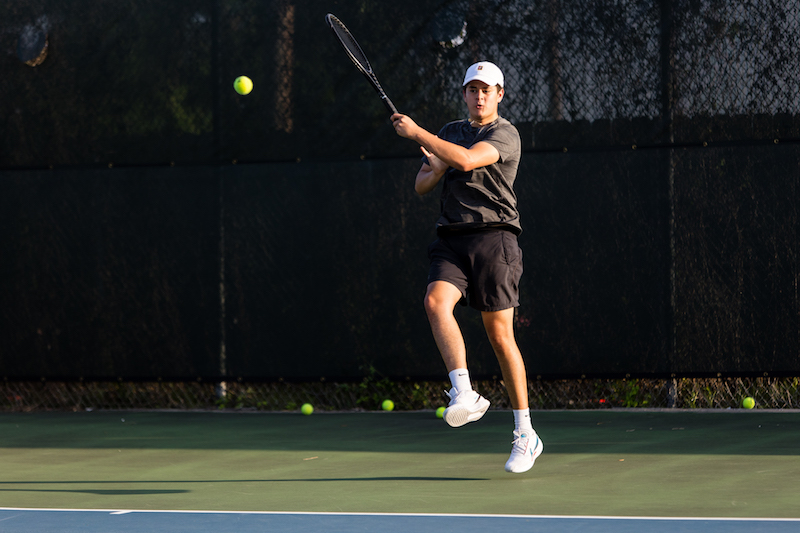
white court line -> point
(442, 515)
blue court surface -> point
(132, 521)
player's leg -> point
(500, 330)
(465, 405)
(526, 446)
(441, 299)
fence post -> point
(667, 110)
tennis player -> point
(476, 259)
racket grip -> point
(389, 105)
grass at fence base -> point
(368, 394)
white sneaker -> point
(465, 406)
(527, 446)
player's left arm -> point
(480, 154)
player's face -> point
(482, 101)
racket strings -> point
(350, 45)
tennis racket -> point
(358, 57)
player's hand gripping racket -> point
(358, 57)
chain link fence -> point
(155, 79)
(367, 395)
(676, 258)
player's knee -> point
(501, 337)
(434, 305)
(499, 340)
(431, 304)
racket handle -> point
(389, 105)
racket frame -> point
(358, 57)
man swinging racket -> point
(476, 258)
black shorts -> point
(486, 267)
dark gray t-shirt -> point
(483, 197)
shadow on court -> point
(217, 481)
(100, 492)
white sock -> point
(459, 378)
(522, 419)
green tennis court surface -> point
(726, 464)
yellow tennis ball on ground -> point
(387, 405)
(440, 412)
(748, 403)
(307, 409)
(243, 85)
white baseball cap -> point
(486, 72)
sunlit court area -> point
(320, 266)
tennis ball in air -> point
(440, 412)
(387, 405)
(243, 85)
(748, 403)
(307, 409)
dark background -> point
(155, 224)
